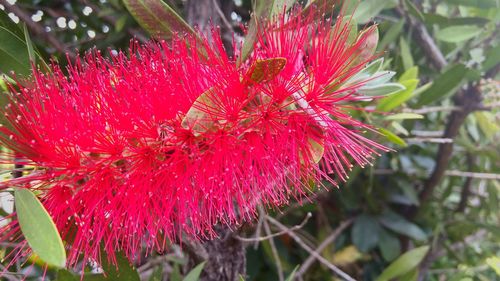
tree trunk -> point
(226, 254)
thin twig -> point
(228, 25)
(301, 243)
(10, 276)
(432, 109)
(449, 173)
(431, 134)
(433, 140)
(465, 193)
(484, 176)
(330, 239)
(258, 230)
(270, 236)
(274, 250)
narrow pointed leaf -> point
(158, 18)
(400, 225)
(393, 137)
(362, 225)
(292, 275)
(194, 274)
(458, 33)
(381, 90)
(444, 85)
(264, 9)
(390, 102)
(38, 228)
(404, 264)
(13, 53)
(123, 270)
(389, 245)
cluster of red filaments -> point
(133, 151)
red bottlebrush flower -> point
(134, 151)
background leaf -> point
(38, 228)
(362, 225)
(459, 33)
(400, 225)
(157, 17)
(194, 274)
(404, 263)
(444, 85)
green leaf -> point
(405, 54)
(444, 85)
(279, 6)
(494, 263)
(123, 270)
(292, 275)
(400, 225)
(458, 33)
(443, 21)
(64, 275)
(380, 78)
(263, 10)
(372, 68)
(365, 233)
(194, 274)
(403, 116)
(33, 55)
(368, 9)
(158, 18)
(157, 274)
(411, 275)
(487, 123)
(381, 90)
(493, 58)
(409, 74)
(120, 23)
(400, 128)
(389, 245)
(414, 10)
(318, 7)
(352, 26)
(404, 264)
(29, 44)
(16, 48)
(410, 193)
(38, 228)
(7, 23)
(392, 137)
(391, 35)
(483, 4)
(13, 53)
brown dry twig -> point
(270, 236)
(327, 241)
(308, 249)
